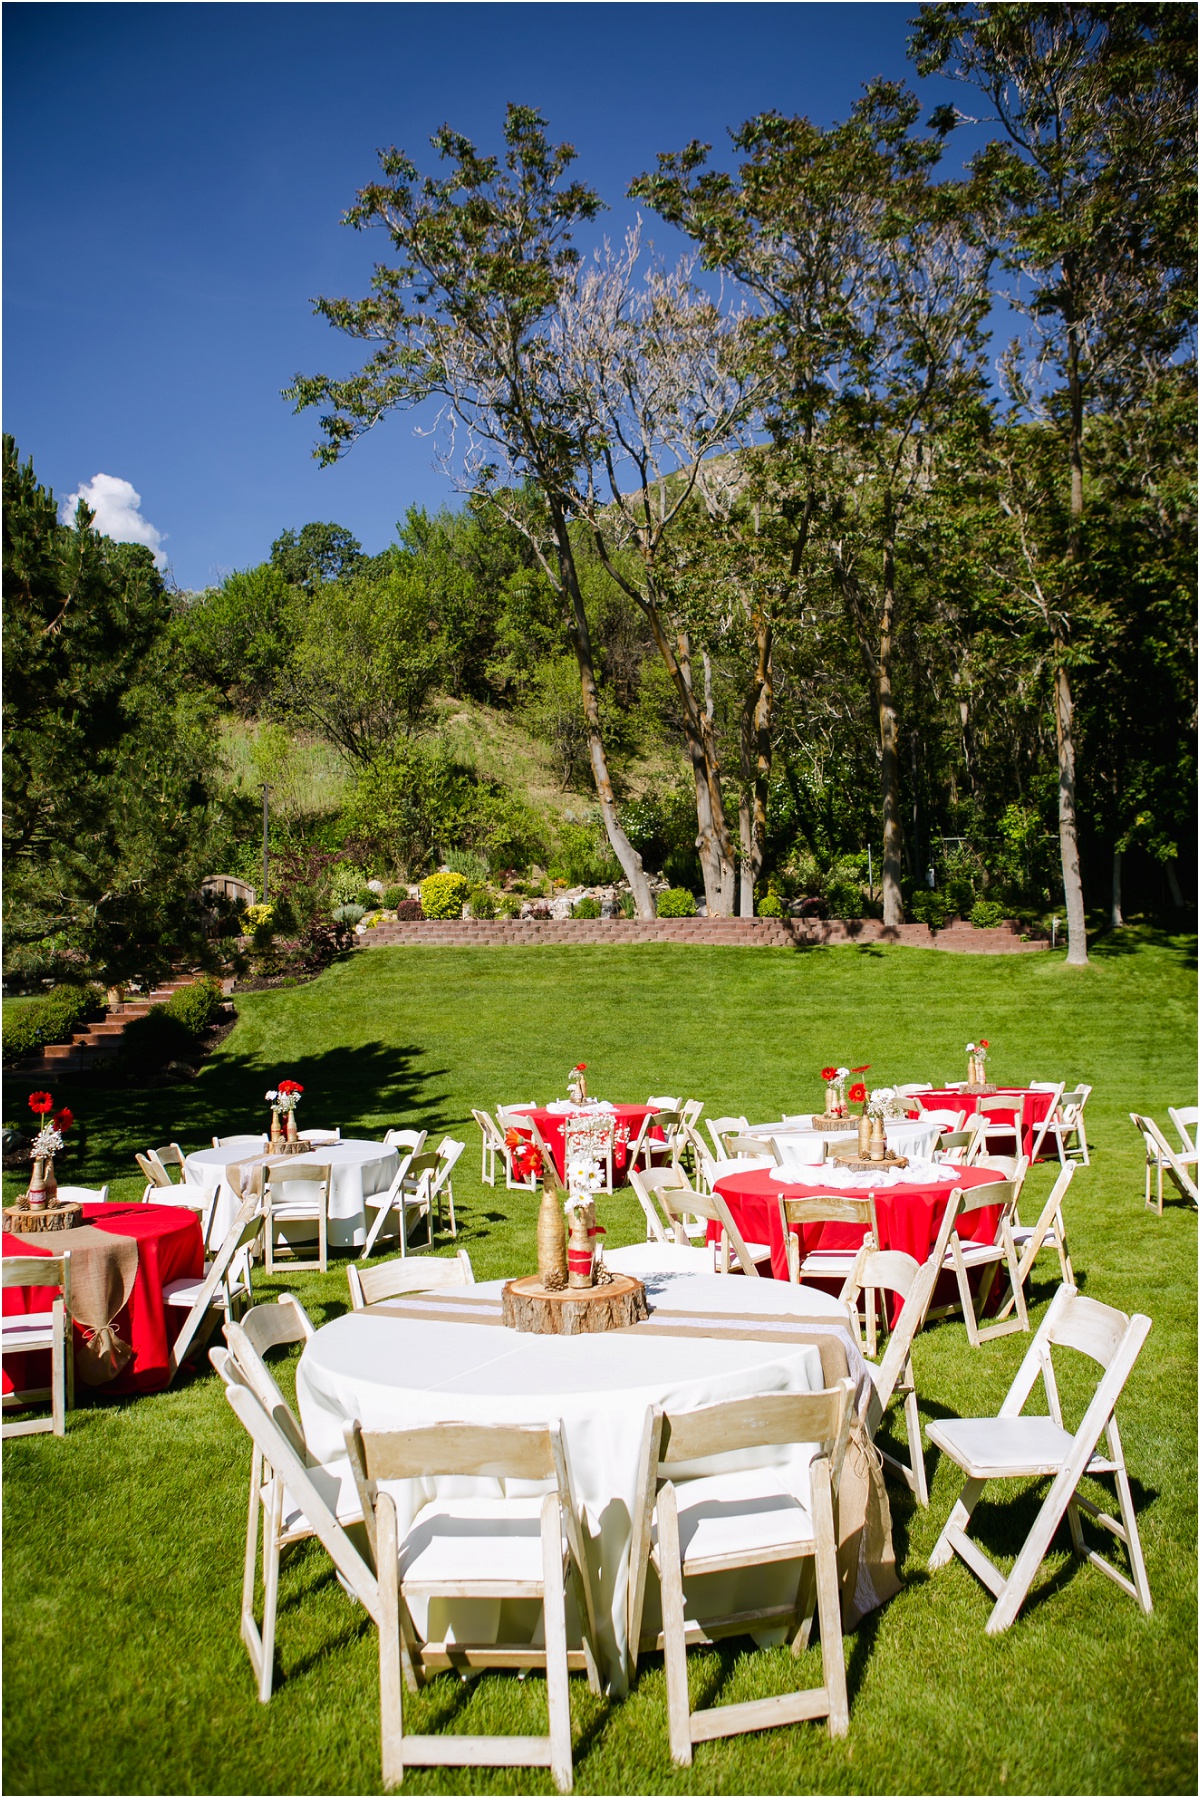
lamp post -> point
(266, 840)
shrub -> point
(195, 1006)
(54, 1019)
(929, 907)
(482, 902)
(151, 1042)
(348, 914)
(676, 902)
(444, 895)
(346, 884)
(410, 911)
(627, 904)
(584, 856)
(469, 863)
(508, 905)
(393, 897)
(586, 908)
(368, 900)
(987, 913)
(770, 906)
(324, 938)
(844, 898)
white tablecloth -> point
(390, 1372)
(906, 1136)
(355, 1168)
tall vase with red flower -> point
(577, 1084)
(43, 1186)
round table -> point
(355, 1168)
(170, 1247)
(908, 1215)
(800, 1146)
(627, 1121)
(1030, 1104)
(390, 1372)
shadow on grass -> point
(1114, 945)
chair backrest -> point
(914, 1086)
(414, 1139)
(40, 1270)
(700, 1149)
(153, 1169)
(84, 1195)
(1106, 1335)
(1075, 1100)
(953, 1144)
(1159, 1149)
(772, 1420)
(412, 1273)
(664, 1103)
(679, 1202)
(300, 1169)
(322, 1136)
(245, 1141)
(965, 1199)
(169, 1156)
(719, 1128)
(245, 1229)
(831, 1208)
(279, 1452)
(488, 1126)
(891, 1270)
(266, 1327)
(645, 1184)
(691, 1112)
(992, 1103)
(758, 1146)
(424, 1163)
(448, 1152)
(1184, 1117)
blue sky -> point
(174, 180)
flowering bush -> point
(444, 895)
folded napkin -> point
(557, 1106)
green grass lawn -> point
(123, 1543)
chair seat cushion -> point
(975, 1254)
(1023, 1233)
(1002, 1447)
(186, 1291)
(476, 1540)
(829, 1266)
(750, 1512)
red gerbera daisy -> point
(63, 1119)
(41, 1103)
(857, 1093)
(828, 1073)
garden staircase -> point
(96, 1042)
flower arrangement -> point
(583, 1176)
(43, 1187)
(285, 1097)
(835, 1089)
(576, 1084)
(288, 1096)
(976, 1060)
(526, 1157)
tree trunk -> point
(756, 767)
(581, 639)
(1068, 835)
(713, 845)
(1118, 916)
(1173, 885)
(889, 755)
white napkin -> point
(558, 1106)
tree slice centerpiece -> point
(822, 1121)
(528, 1305)
(863, 1164)
(23, 1222)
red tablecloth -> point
(170, 1247)
(627, 1121)
(1034, 1107)
(909, 1216)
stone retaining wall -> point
(766, 933)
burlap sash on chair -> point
(103, 1269)
(866, 1558)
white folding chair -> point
(664, 1102)
(1067, 1123)
(248, 1142)
(703, 1164)
(890, 1270)
(719, 1128)
(1042, 1130)
(1050, 1232)
(644, 1183)
(448, 1152)
(283, 1522)
(225, 1280)
(1185, 1119)
(996, 1129)
(691, 1109)
(825, 1208)
(743, 1146)
(30, 1332)
(495, 1146)
(689, 1523)
(424, 1273)
(682, 1202)
(1012, 1446)
(913, 1088)
(966, 1257)
(952, 1146)
(168, 1157)
(83, 1195)
(411, 1140)
(311, 1206)
(495, 1548)
(321, 1136)
(409, 1190)
(1164, 1159)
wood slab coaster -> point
(574, 1311)
(833, 1125)
(23, 1222)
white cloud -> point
(117, 506)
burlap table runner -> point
(252, 1165)
(866, 1557)
(103, 1268)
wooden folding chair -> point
(687, 1527)
(645, 1183)
(283, 1524)
(530, 1551)
(1012, 1446)
(969, 1257)
(681, 1202)
(1042, 1130)
(297, 1171)
(720, 1128)
(825, 1208)
(495, 1146)
(221, 1284)
(1066, 1123)
(752, 1148)
(1050, 1232)
(423, 1273)
(1185, 1118)
(83, 1195)
(890, 1270)
(28, 1332)
(448, 1152)
(1164, 1159)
